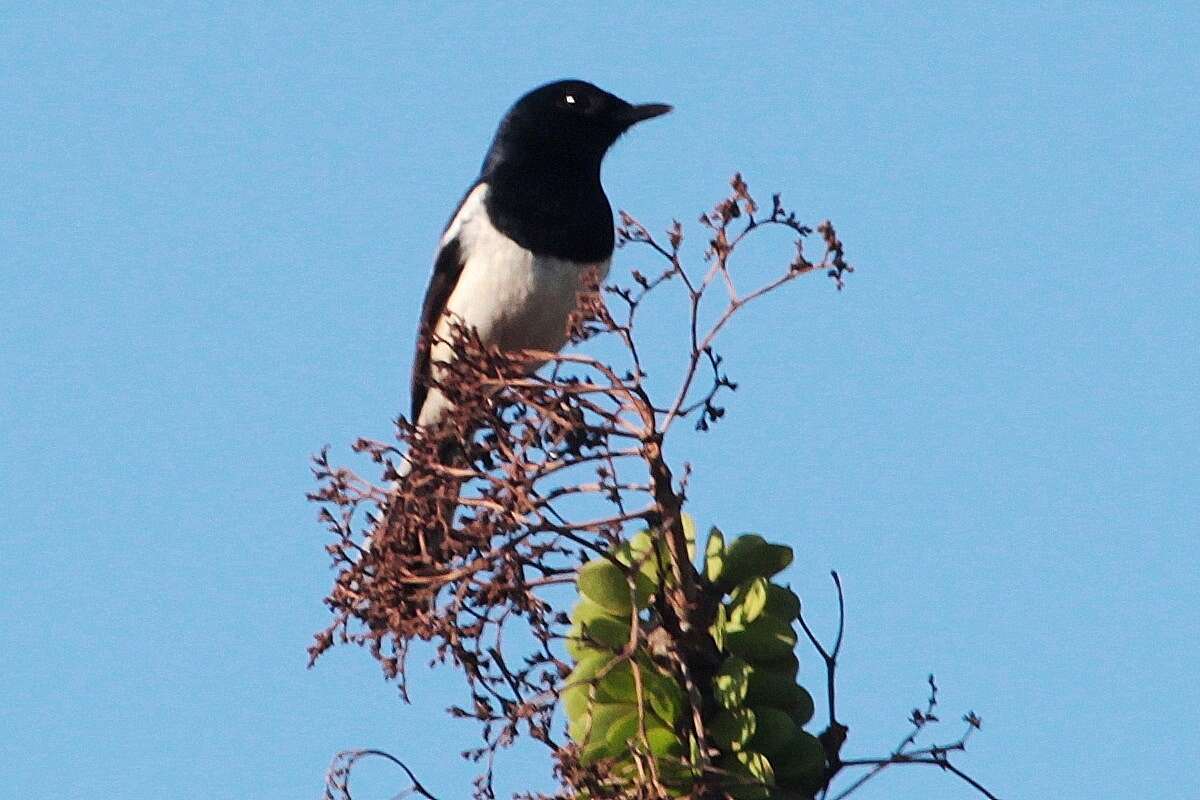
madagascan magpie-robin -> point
(511, 260)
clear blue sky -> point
(215, 225)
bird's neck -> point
(551, 204)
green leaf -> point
(764, 639)
(731, 682)
(717, 631)
(625, 734)
(689, 534)
(748, 601)
(649, 550)
(607, 631)
(788, 664)
(591, 730)
(714, 555)
(802, 764)
(618, 684)
(605, 584)
(774, 731)
(731, 729)
(776, 689)
(750, 775)
(782, 602)
(651, 556)
(576, 700)
(804, 709)
(577, 688)
(676, 775)
(576, 646)
(587, 611)
(664, 743)
(666, 695)
(750, 556)
(586, 668)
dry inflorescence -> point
(544, 462)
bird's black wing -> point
(447, 268)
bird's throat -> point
(554, 207)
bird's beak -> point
(636, 114)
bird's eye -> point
(575, 103)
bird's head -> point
(569, 119)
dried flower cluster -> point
(548, 461)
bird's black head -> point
(566, 121)
(543, 168)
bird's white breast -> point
(513, 298)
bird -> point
(512, 258)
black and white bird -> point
(511, 259)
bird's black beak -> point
(635, 114)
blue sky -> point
(215, 226)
